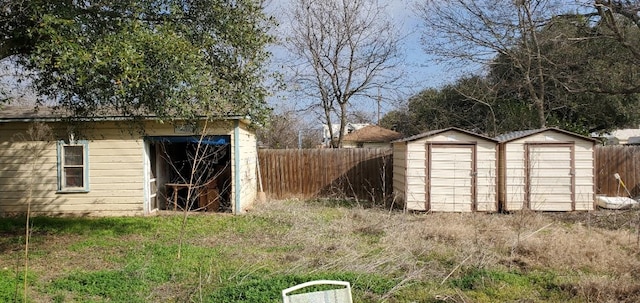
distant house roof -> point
(622, 136)
(50, 114)
(438, 131)
(507, 137)
(372, 133)
(348, 128)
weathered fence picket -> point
(306, 173)
(620, 159)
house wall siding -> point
(248, 165)
(115, 174)
(116, 180)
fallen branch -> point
(454, 270)
(535, 232)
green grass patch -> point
(144, 267)
(101, 286)
(266, 288)
(93, 242)
(496, 287)
(12, 225)
(81, 226)
(485, 285)
(445, 259)
(11, 286)
(204, 225)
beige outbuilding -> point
(112, 166)
(547, 170)
(447, 170)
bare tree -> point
(199, 173)
(478, 32)
(622, 19)
(347, 51)
(616, 15)
(289, 130)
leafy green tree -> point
(168, 57)
(471, 103)
(586, 74)
(400, 120)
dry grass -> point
(599, 262)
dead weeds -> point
(422, 247)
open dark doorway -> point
(193, 173)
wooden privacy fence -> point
(367, 173)
(623, 160)
(361, 173)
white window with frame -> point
(73, 166)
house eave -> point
(243, 119)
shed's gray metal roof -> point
(517, 134)
(438, 131)
(507, 137)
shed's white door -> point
(451, 178)
(550, 177)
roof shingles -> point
(372, 133)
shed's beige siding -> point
(416, 176)
(399, 171)
(115, 161)
(416, 173)
(515, 170)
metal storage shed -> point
(447, 170)
(547, 170)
